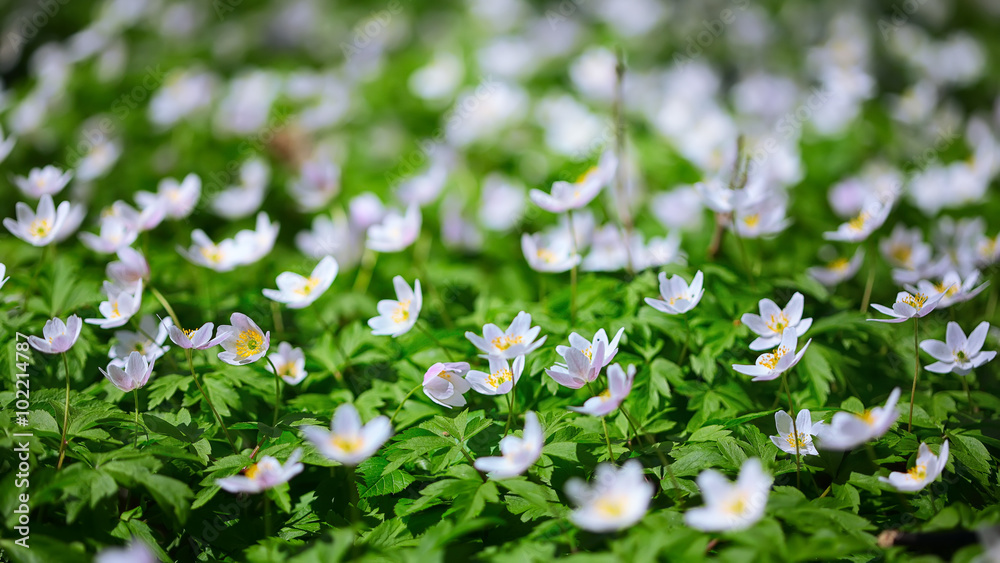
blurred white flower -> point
(925, 470)
(120, 306)
(848, 430)
(615, 500)
(731, 506)
(619, 387)
(348, 441)
(396, 231)
(290, 362)
(43, 181)
(42, 227)
(297, 291)
(517, 454)
(265, 474)
(177, 199)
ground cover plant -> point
(499, 281)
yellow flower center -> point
(402, 312)
(916, 301)
(251, 472)
(949, 291)
(212, 254)
(858, 223)
(498, 378)
(189, 332)
(248, 343)
(901, 253)
(503, 342)
(752, 220)
(583, 177)
(840, 264)
(40, 228)
(770, 360)
(546, 255)
(778, 323)
(610, 507)
(736, 505)
(798, 439)
(308, 287)
(918, 472)
(347, 444)
(114, 311)
(605, 395)
(869, 417)
(589, 353)
(961, 356)
(287, 369)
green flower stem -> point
(968, 393)
(916, 369)
(795, 430)
(468, 457)
(512, 405)
(433, 338)
(687, 340)
(62, 440)
(572, 272)
(401, 403)
(368, 260)
(135, 437)
(872, 253)
(607, 440)
(652, 442)
(166, 306)
(190, 358)
(277, 390)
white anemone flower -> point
(297, 291)
(517, 453)
(616, 499)
(959, 354)
(398, 316)
(848, 430)
(348, 441)
(518, 340)
(731, 506)
(772, 322)
(925, 470)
